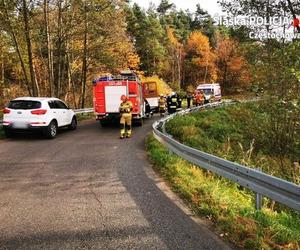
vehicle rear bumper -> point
(10, 126)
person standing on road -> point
(126, 117)
(189, 98)
(172, 103)
(199, 98)
(162, 105)
(147, 108)
(179, 102)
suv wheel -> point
(8, 133)
(51, 130)
(73, 124)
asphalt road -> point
(89, 190)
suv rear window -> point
(20, 104)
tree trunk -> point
(62, 74)
(179, 63)
(84, 59)
(17, 47)
(29, 48)
(225, 78)
(49, 48)
(70, 59)
(2, 82)
(59, 48)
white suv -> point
(33, 113)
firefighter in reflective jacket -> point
(199, 98)
(162, 104)
(172, 103)
(126, 117)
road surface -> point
(89, 190)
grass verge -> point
(229, 207)
(85, 116)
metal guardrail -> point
(82, 111)
(262, 184)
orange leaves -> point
(133, 61)
(232, 66)
(201, 58)
(176, 54)
(198, 44)
(172, 38)
(236, 63)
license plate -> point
(20, 125)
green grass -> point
(85, 116)
(225, 204)
(238, 133)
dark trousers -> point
(189, 102)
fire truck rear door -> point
(113, 98)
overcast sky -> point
(210, 5)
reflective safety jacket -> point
(162, 102)
(125, 107)
(199, 98)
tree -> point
(232, 66)
(200, 60)
(49, 47)
(64, 44)
(176, 52)
(148, 35)
(164, 7)
(25, 13)
(203, 22)
(8, 20)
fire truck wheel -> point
(103, 123)
(139, 122)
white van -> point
(212, 92)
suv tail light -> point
(39, 112)
(6, 111)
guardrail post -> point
(258, 201)
(258, 198)
(163, 128)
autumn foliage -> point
(200, 59)
(233, 69)
(56, 47)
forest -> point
(56, 47)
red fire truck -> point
(108, 91)
(151, 95)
